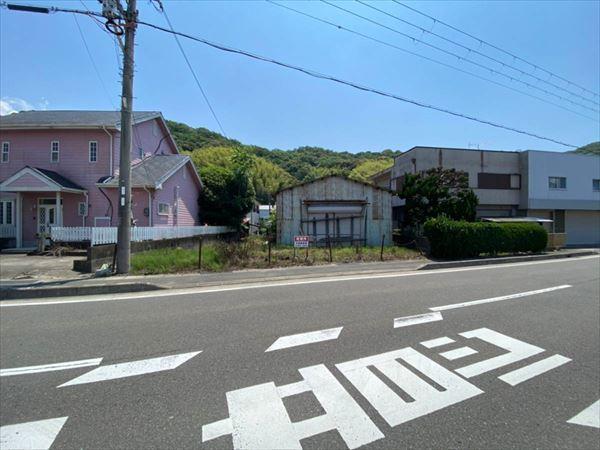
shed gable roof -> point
(334, 176)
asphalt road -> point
(524, 365)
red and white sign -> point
(301, 241)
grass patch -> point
(252, 253)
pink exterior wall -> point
(181, 185)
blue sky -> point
(44, 65)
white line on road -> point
(311, 337)
(50, 367)
(589, 417)
(38, 435)
(152, 295)
(437, 342)
(461, 352)
(419, 318)
(499, 299)
(131, 369)
(216, 429)
(533, 370)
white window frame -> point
(5, 157)
(99, 218)
(162, 213)
(557, 178)
(53, 152)
(4, 208)
(95, 143)
(82, 209)
(594, 182)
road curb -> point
(72, 291)
(504, 260)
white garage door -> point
(583, 227)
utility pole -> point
(124, 231)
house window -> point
(558, 216)
(5, 152)
(6, 212)
(54, 151)
(557, 182)
(93, 151)
(596, 184)
(163, 209)
(82, 209)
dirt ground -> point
(24, 267)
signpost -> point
(301, 242)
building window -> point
(54, 151)
(82, 209)
(93, 151)
(558, 216)
(163, 209)
(5, 152)
(596, 184)
(6, 212)
(557, 182)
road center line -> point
(499, 299)
(50, 367)
(153, 295)
(311, 337)
(419, 318)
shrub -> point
(458, 239)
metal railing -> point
(108, 235)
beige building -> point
(335, 209)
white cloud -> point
(9, 105)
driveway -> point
(25, 267)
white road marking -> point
(259, 419)
(438, 342)
(589, 417)
(426, 398)
(499, 299)
(311, 337)
(419, 318)
(217, 429)
(533, 370)
(461, 352)
(38, 435)
(517, 351)
(152, 295)
(50, 367)
(131, 369)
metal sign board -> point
(301, 241)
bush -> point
(458, 239)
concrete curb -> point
(504, 260)
(71, 291)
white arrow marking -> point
(311, 337)
(419, 318)
(499, 299)
(589, 417)
(533, 370)
(31, 435)
(131, 369)
(50, 367)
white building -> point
(564, 187)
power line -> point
(456, 55)
(436, 61)
(212, 111)
(87, 49)
(506, 52)
(475, 51)
(315, 74)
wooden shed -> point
(335, 209)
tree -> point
(592, 148)
(228, 194)
(365, 170)
(437, 192)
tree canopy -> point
(365, 170)
(592, 148)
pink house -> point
(60, 168)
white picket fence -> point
(8, 231)
(108, 235)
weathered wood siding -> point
(378, 209)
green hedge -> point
(453, 239)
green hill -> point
(301, 164)
(590, 149)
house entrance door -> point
(46, 218)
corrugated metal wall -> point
(378, 208)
